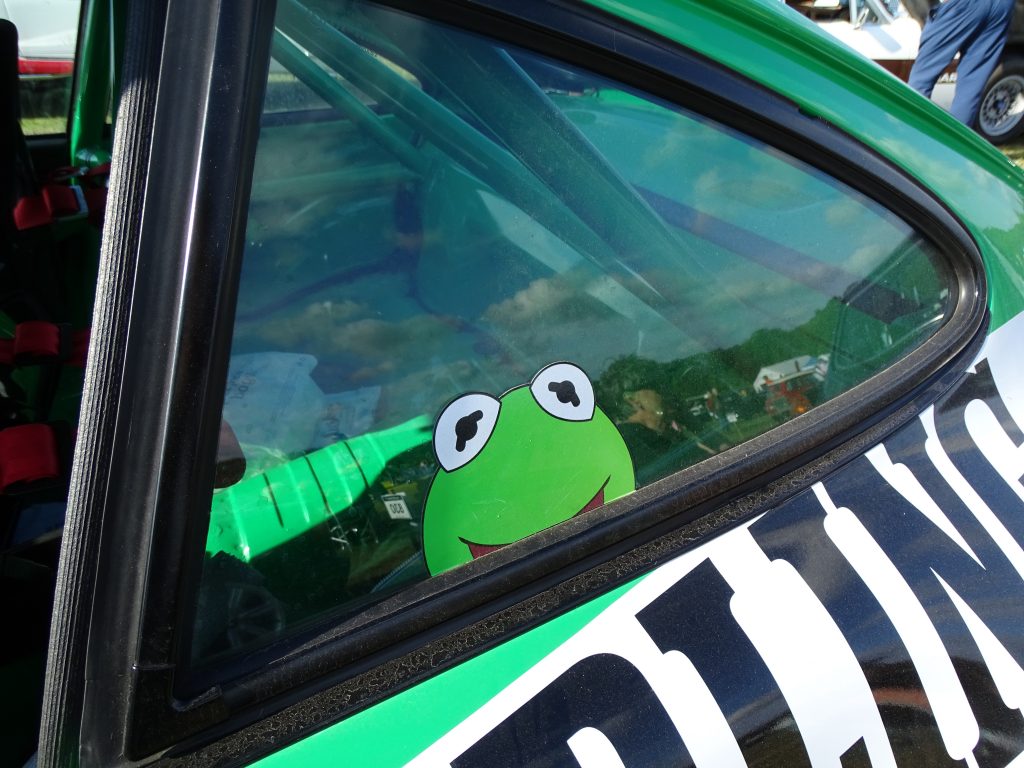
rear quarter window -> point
(484, 292)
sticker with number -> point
(395, 504)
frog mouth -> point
(479, 550)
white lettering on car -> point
(1006, 673)
(803, 648)
(908, 486)
(993, 526)
(592, 749)
(959, 728)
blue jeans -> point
(977, 30)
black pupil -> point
(565, 392)
(465, 429)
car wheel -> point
(1001, 114)
(918, 10)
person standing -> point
(977, 30)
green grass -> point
(1015, 151)
(43, 126)
(44, 105)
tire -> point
(918, 10)
(1001, 113)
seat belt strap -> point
(57, 202)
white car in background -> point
(47, 32)
(889, 32)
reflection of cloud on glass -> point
(341, 331)
(752, 303)
(544, 300)
(968, 186)
(708, 183)
(414, 337)
(373, 372)
(843, 212)
(426, 389)
(761, 191)
(676, 134)
(865, 259)
(335, 311)
(316, 321)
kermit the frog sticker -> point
(515, 465)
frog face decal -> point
(511, 466)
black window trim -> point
(177, 444)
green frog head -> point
(511, 466)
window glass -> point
(288, 94)
(47, 32)
(488, 292)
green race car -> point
(480, 383)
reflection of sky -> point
(965, 185)
(491, 295)
(756, 187)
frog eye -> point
(463, 429)
(564, 391)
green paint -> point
(535, 471)
(397, 729)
